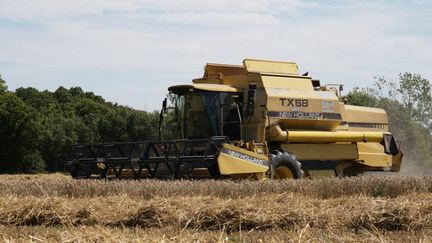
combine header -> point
(168, 159)
(259, 120)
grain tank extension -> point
(257, 120)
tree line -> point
(37, 127)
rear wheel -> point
(285, 166)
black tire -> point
(285, 166)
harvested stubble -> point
(62, 186)
(56, 208)
(284, 211)
(104, 234)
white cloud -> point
(52, 9)
(170, 41)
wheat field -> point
(54, 208)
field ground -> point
(53, 208)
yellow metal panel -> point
(322, 151)
(364, 127)
(235, 160)
(359, 114)
(213, 69)
(253, 131)
(240, 81)
(295, 103)
(372, 154)
(396, 162)
(288, 86)
(263, 66)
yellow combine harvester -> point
(258, 120)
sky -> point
(130, 51)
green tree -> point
(38, 127)
(3, 86)
(19, 136)
(362, 97)
(413, 91)
(416, 95)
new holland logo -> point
(300, 115)
(245, 157)
(305, 115)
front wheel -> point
(285, 166)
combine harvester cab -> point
(258, 120)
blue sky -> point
(130, 51)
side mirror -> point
(161, 116)
(164, 105)
(340, 90)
